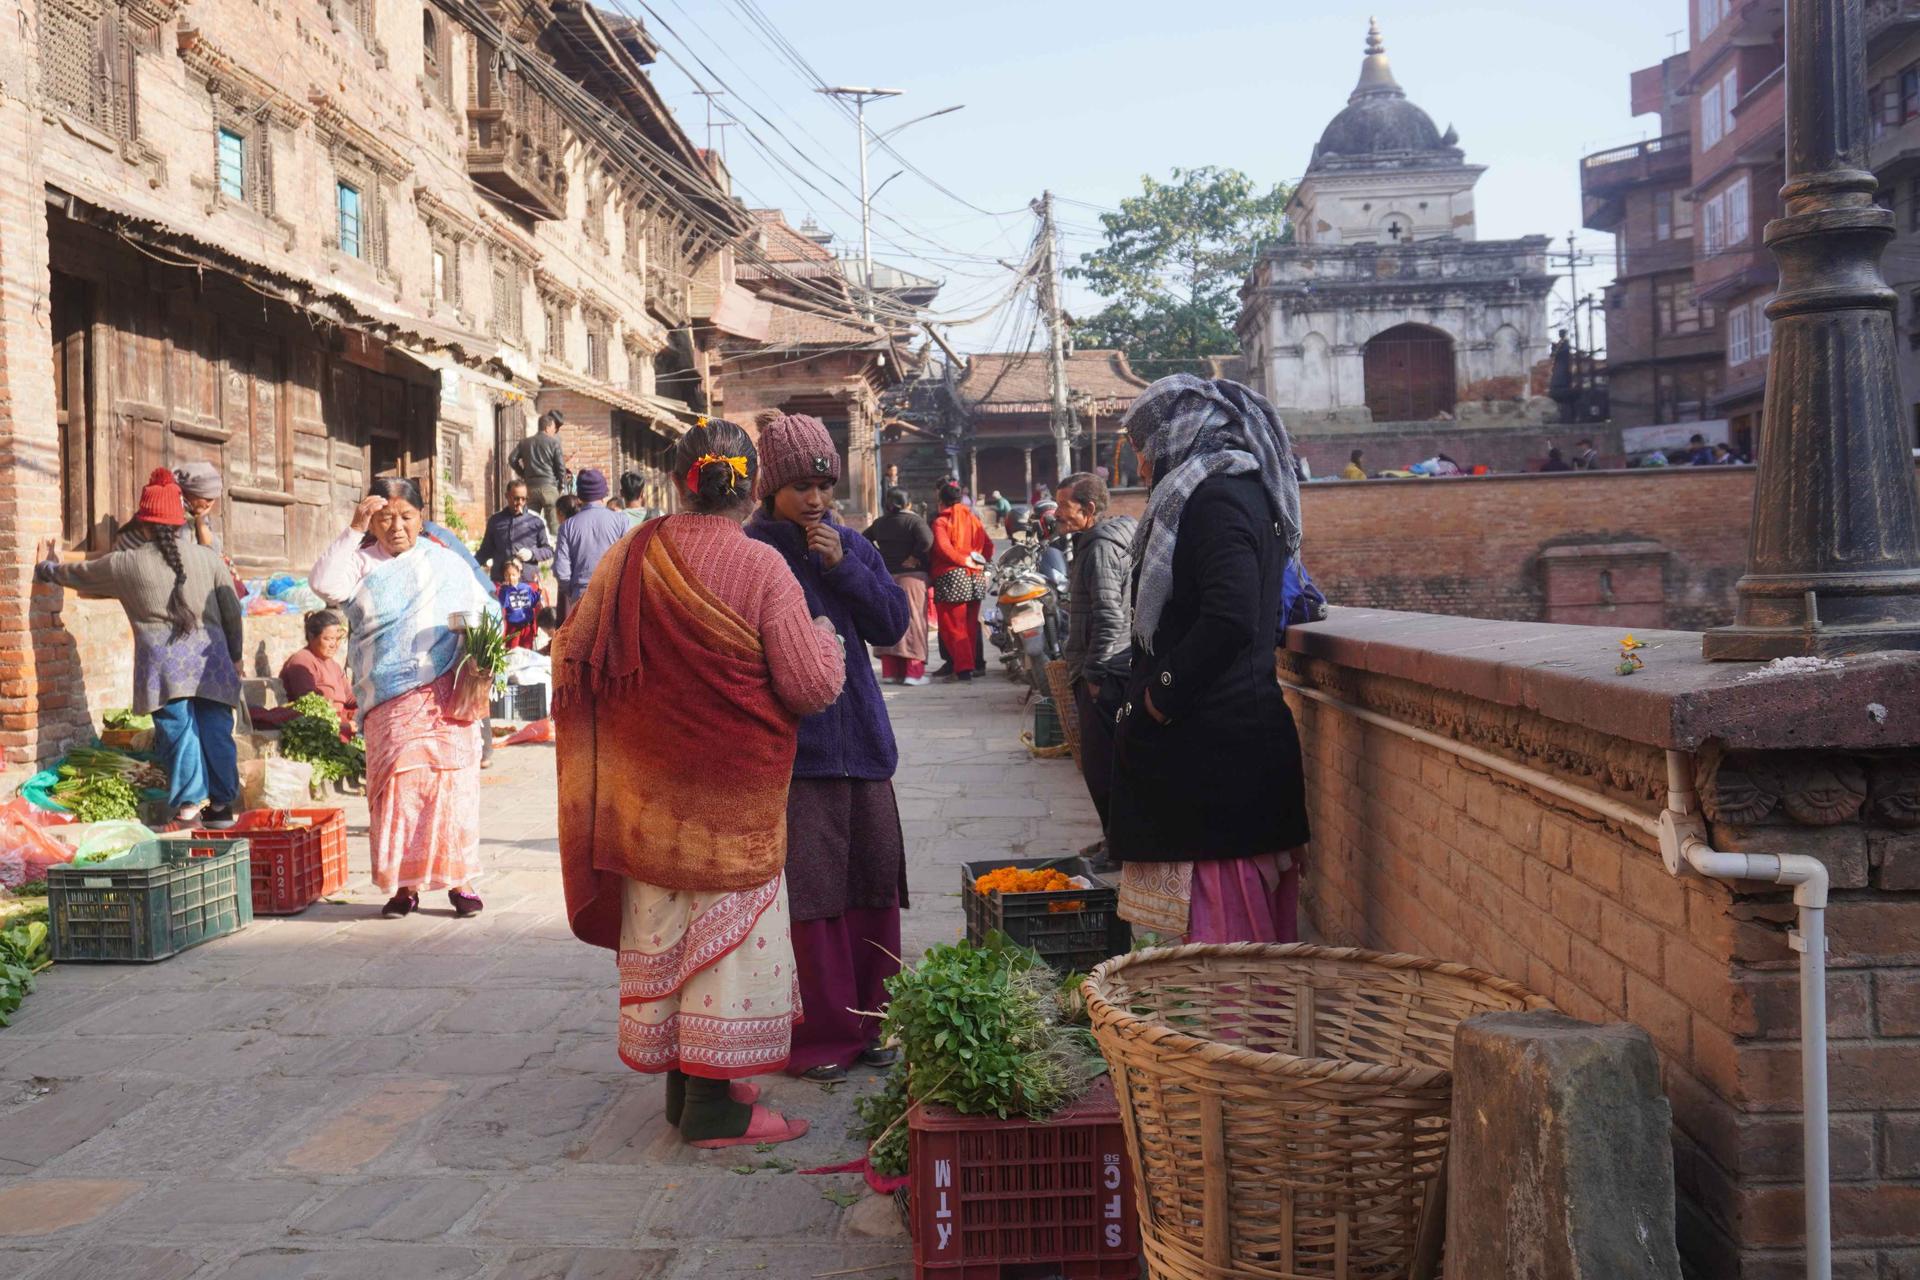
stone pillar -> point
(1560, 1166)
(36, 673)
(861, 477)
(1027, 492)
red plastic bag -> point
(25, 850)
(537, 731)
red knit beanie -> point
(160, 500)
(794, 447)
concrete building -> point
(1665, 351)
(313, 248)
(1385, 307)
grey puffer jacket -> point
(1099, 613)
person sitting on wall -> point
(1354, 470)
(1698, 455)
(1556, 461)
(317, 669)
(1586, 457)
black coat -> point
(1221, 778)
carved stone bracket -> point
(338, 126)
(1810, 788)
(226, 78)
(552, 286)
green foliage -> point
(487, 647)
(449, 514)
(979, 1028)
(98, 797)
(314, 736)
(882, 1123)
(1171, 270)
(23, 949)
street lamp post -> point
(1833, 565)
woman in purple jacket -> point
(846, 860)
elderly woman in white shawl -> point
(1209, 814)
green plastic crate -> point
(153, 901)
(1047, 730)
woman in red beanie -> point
(186, 645)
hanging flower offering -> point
(1630, 660)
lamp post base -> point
(1763, 644)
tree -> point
(1171, 270)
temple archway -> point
(1409, 374)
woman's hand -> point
(364, 513)
(1146, 698)
(824, 540)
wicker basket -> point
(1287, 1106)
(1064, 705)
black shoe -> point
(943, 672)
(879, 1055)
(217, 817)
(825, 1073)
(966, 675)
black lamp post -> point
(1833, 565)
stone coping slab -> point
(1679, 701)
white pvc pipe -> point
(1683, 845)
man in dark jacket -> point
(514, 533)
(541, 462)
(1099, 622)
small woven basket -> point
(1286, 1107)
(1064, 705)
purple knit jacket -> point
(853, 738)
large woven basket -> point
(1287, 1106)
(1064, 705)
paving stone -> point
(520, 1124)
(586, 1264)
(217, 1055)
(74, 1057)
(731, 1207)
(330, 1058)
(634, 1130)
(366, 1128)
(360, 1012)
(200, 1128)
(502, 1012)
(63, 1119)
(126, 1262)
(192, 1012)
(874, 1218)
(45, 1206)
(587, 1210)
(199, 1209)
(57, 1005)
(479, 1055)
(791, 1261)
(384, 1262)
(402, 1209)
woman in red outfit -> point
(961, 549)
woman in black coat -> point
(1209, 806)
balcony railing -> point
(515, 144)
(1638, 151)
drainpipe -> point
(1684, 847)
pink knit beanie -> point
(794, 447)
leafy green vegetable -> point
(487, 647)
(98, 797)
(882, 1122)
(313, 735)
(839, 1197)
(23, 949)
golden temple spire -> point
(1376, 73)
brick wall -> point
(1414, 850)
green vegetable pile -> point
(23, 951)
(980, 1030)
(486, 645)
(98, 784)
(314, 736)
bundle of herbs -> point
(100, 785)
(486, 647)
(980, 1030)
(313, 735)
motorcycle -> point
(1028, 585)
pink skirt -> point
(423, 784)
(1253, 899)
(913, 645)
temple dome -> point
(1378, 120)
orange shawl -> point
(674, 755)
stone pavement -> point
(333, 1096)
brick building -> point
(1665, 351)
(1009, 402)
(314, 247)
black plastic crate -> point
(1070, 941)
(521, 702)
(153, 901)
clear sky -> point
(1083, 98)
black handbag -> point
(959, 586)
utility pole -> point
(860, 98)
(1573, 260)
(1048, 288)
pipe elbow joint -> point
(1809, 878)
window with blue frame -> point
(230, 165)
(347, 202)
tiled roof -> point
(1016, 380)
(793, 327)
(779, 242)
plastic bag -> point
(26, 851)
(275, 783)
(98, 841)
(537, 731)
(37, 791)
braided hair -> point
(715, 488)
(179, 610)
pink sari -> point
(1226, 900)
(423, 781)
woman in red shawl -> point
(961, 549)
(681, 677)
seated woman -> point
(400, 588)
(317, 669)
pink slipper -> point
(745, 1091)
(765, 1126)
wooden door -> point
(1409, 374)
(73, 407)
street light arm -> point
(944, 111)
(883, 185)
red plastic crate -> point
(293, 865)
(999, 1199)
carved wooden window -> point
(508, 284)
(242, 158)
(639, 371)
(360, 208)
(635, 223)
(357, 14)
(436, 56)
(86, 64)
(445, 259)
(599, 335)
(554, 324)
(596, 215)
(349, 209)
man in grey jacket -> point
(1099, 643)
